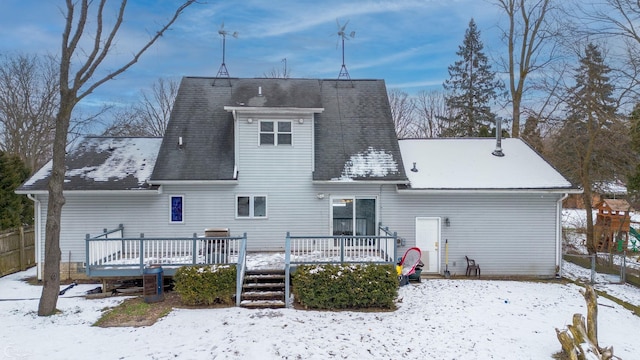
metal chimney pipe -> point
(498, 150)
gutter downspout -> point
(37, 233)
(559, 235)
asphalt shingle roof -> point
(103, 163)
(354, 135)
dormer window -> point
(275, 132)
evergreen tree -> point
(471, 88)
(633, 179)
(587, 147)
(15, 210)
(531, 134)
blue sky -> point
(407, 43)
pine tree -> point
(471, 89)
(633, 179)
(531, 134)
(587, 147)
(15, 210)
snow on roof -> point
(469, 164)
(369, 163)
(104, 163)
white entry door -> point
(428, 240)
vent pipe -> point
(259, 90)
(498, 150)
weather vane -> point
(343, 36)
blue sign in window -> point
(176, 209)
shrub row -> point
(206, 285)
(348, 286)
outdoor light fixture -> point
(447, 223)
(250, 120)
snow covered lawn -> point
(436, 319)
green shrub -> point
(206, 285)
(348, 286)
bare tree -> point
(527, 37)
(431, 109)
(77, 80)
(155, 108)
(29, 98)
(615, 23)
(277, 73)
(402, 111)
(150, 115)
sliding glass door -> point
(353, 216)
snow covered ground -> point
(436, 319)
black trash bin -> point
(152, 284)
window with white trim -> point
(176, 209)
(276, 133)
(251, 206)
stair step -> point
(264, 272)
(263, 278)
(259, 286)
(263, 304)
(263, 295)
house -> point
(614, 189)
(310, 157)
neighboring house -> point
(312, 157)
(614, 189)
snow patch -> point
(369, 163)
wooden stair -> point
(263, 289)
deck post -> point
(141, 253)
(240, 268)
(287, 268)
(194, 248)
(87, 270)
(395, 247)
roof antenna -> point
(343, 36)
(222, 72)
(498, 150)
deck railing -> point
(337, 249)
(108, 255)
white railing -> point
(340, 249)
(109, 255)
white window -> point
(176, 209)
(275, 132)
(251, 206)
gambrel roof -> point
(354, 132)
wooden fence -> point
(17, 250)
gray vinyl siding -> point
(283, 174)
(507, 234)
(83, 213)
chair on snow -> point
(472, 267)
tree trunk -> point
(580, 341)
(588, 207)
(51, 286)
